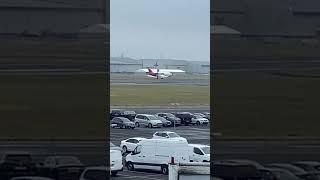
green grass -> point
(159, 95)
(52, 106)
(260, 104)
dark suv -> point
(122, 113)
(14, 163)
(186, 117)
(232, 170)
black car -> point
(232, 170)
(123, 123)
(186, 117)
(62, 167)
(16, 163)
(123, 113)
(170, 117)
(297, 171)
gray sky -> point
(177, 29)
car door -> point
(130, 145)
(197, 155)
(145, 120)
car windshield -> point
(197, 116)
(152, 117)
(285, 175)
(19, 158)
(129, 112)
(68, 160)
(161, 118)
(206, 149)
(170, 115)
(173, 135)
(125, 120)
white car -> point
(147, 120)
(96, 173)
(200, 153)
(115, 162)
(130, 144)
(197, 119)
(166, 135)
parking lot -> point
(199, 134)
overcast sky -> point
(171, 29)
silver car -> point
(147, 120)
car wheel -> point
(130, 166)
(132, 127)
(123, 126)
(149, 125)
(198, 123)
(137, 124)
(114, 173)
(124, 149)
(164, 169)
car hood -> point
(155, 121)
(129, 123)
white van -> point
(200, 153)
(115, 162)
(156, 154)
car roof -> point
(16, 152)
(145, 114)
(137, 138)
(32, 177)
(311, 163)
(198, 145)
(165, 132)
(96, 168)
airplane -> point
(160, 73)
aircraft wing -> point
(171, 71)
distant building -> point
(129, 65)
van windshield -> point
(206, 149)
(173, 135)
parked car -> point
(62, 167)
(122, 113)
(123, 123)
(170, 117)
(299, 172)
(17, 163)
(277, 174)
(200, 153)
(167, 135)
(130, 144)
(207, 114)
(165, 123)
(184, 116)
(230, 170)
(199, 120)
(200, 114)
(156, 154)
(246, 161)
(115, 162)
(95, 173)
(30, 178)
(309, 166)
(147, 120)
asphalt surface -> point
(265, 65)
